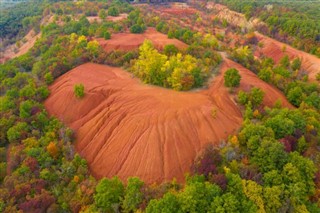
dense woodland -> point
(293, 22)
(271, 164)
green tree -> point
(281, 125)
(169, 203)
(16, 132)
(133, 195)
(296, 64)
(232, 78)
(25, 109)
(79, 90)
(285, 61)
(113, 11)
(295, 95)
(265, 74)
(272, 197)
(170, 49)
(48, 78)
(106, 35)
(270, 155)
(256, 96)
(109, 193)
(198, 195)
(102, 14)
(136, 28)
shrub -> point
(102, 14)
(112, 11)
(232, 78)
(170, 49)
(296, 64)
(106, 35)
(48, 78)
(255, 96)
(79, 90)
(136, 28)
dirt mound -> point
(274, 49)
(130, 41)
(13, 51)
(126, 128)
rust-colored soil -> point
(126, 128)
(249, 80)
(9, 53)
(179, 11)
(273, 49)
(130, 41)
(121, 16)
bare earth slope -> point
(127, 129)
(273, 49)
(130, 41)
(9, 52)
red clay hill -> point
(129, 41)
(274, 49)
(126, 128)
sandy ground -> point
(9, 53)
(130, 41)
(273, 49)
(126, 128)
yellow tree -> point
(148, 66)
(53, 149)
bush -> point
(136, 29)
(102, 14)
(79, 90)
(106, 35)
(232, 78)
(255, 96)
(48, 78)
(112, 11)
(170, 49)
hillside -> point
(121, 123)
(161, 106)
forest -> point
(271, 164)
(295, 22)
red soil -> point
(273, 49)
(130, 41)
(249, 80)
(127, 129)
(121, 16)
(9, 52)
(179, 11)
